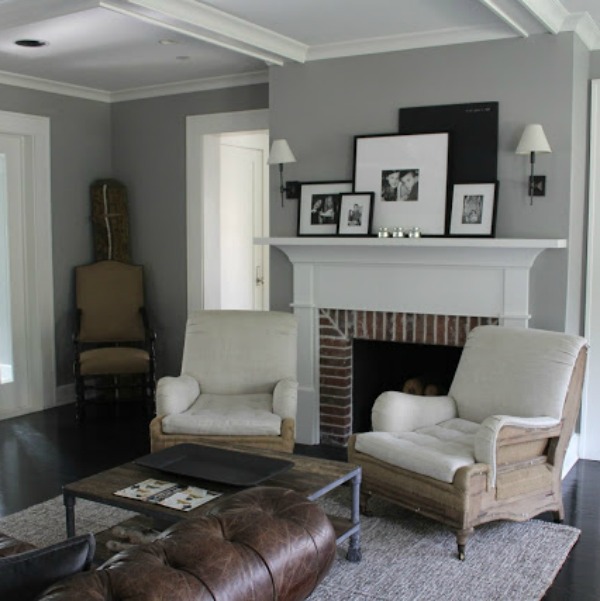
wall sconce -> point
(281, 153)
(534, 140)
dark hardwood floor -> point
(42, 451)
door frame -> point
(37, 237)
(202, 181)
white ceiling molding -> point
(494, 6)
(214, 26)
(585, 27)
(185, 87)
(551, 13)
(54, 87)
(443, 37)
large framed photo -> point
(473, 209)
(356, 212)
(319, 207)
(408, 175)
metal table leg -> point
(69, 501)
(354, 553)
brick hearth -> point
(337, 329)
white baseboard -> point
(572, 455)
(65, 394)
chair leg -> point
(79, 399)
(461, 541)
(559, 515)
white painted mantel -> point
(486, 277)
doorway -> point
(27, 376)
(227, 207)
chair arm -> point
(401, 412)
(176, 395)
(488, 437)
(285, 398)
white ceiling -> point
(111, 50)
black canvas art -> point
(473, 132)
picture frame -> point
(319, 207)
(473, 211)
(356, 214)
(408, 174)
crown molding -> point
(214, 26)
(185, 87)
(441, 37)
(53, 87)
(585, 27)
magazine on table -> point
(168, 494)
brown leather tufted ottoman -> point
(261, 544)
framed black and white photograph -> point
(319, 207)
(408, 175)
(473, 210)
(356, 212)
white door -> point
(14, 395)
(241, 220)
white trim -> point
(198, 85)
(585, 27)
(550, 13)
(198, 129)
(54, 87)
(589, 447)
(441, 37)
(35, 131)
(492, 5)
(214, 26)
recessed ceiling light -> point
(182, 58)
(167, 42)
(31, 43)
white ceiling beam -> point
(198, 20)
(495, 7)
(550, 13)
(585, 27)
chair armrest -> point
(176, 395)
(489, 435)
(401, 412)
(285, 398)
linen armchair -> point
(237, 383)
(494, 447)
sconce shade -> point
(533, 139)
(281, 153)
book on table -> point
(168, 494)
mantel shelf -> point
(540, 243)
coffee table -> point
(310, 476)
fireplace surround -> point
(431, 286)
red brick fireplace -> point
(338, 328)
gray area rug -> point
(405, 557)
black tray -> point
(215, 465)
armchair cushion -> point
(401, 412)
(509, 371)
(285, 398)
(176, 395)
(485, 443)
(219, 414)
(436, 451)
(114, 360)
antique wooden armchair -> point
(494, 447)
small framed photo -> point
(408, 175)
(356, 213)
(319, 207)
(473, 209)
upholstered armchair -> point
(113, 342)
(237, 383)
(494, 447)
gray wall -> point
(595, 64)
(320, 106)
(148, 149)
(80, 153)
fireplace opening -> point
(410, 367)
